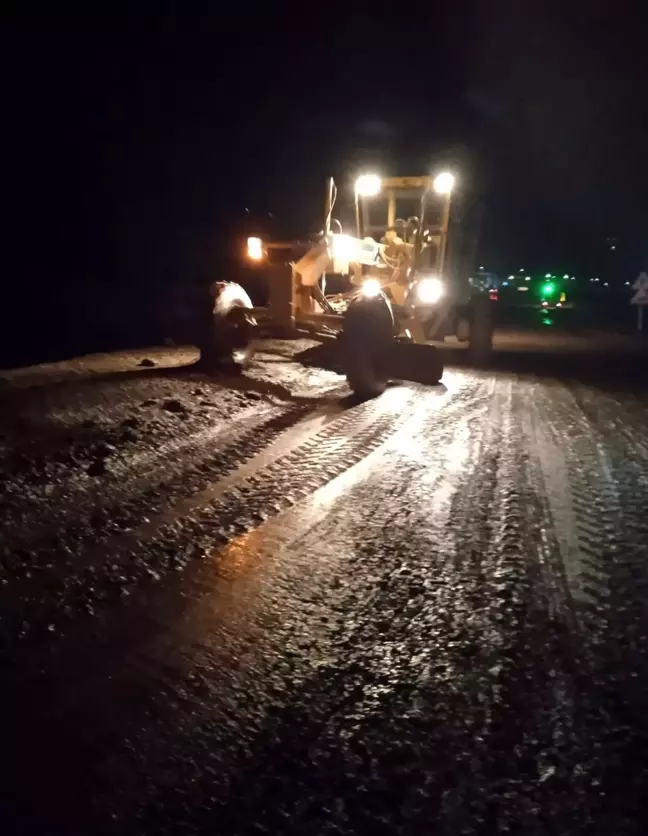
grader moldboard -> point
(398, 297)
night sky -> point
(137, 140)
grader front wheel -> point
(366, 342)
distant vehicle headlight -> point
(370, 288)
(255, 249)
(429, 290)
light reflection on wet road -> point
(432, 618)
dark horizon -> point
(138, 141)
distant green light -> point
(548, 289)
(547, 275)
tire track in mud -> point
(549, 645)
(603, 444)
(172, 540)
(57, 546)
(183, 464)
(506, 706)
(335, 688)
(142, 474)
(515, 615)
(355, 708)
(63, 667)
(500, 719)
(607, 479)
(584, 496)
(619, 619)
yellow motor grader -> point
(396, 289)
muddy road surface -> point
(254, 606)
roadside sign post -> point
(640, 299)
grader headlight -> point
(255, 249)
(370, 288)
(368, 185)
(344, 248)
(429, 290)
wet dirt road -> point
(281, 612)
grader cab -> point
(396, 289)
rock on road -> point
(252, 606)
